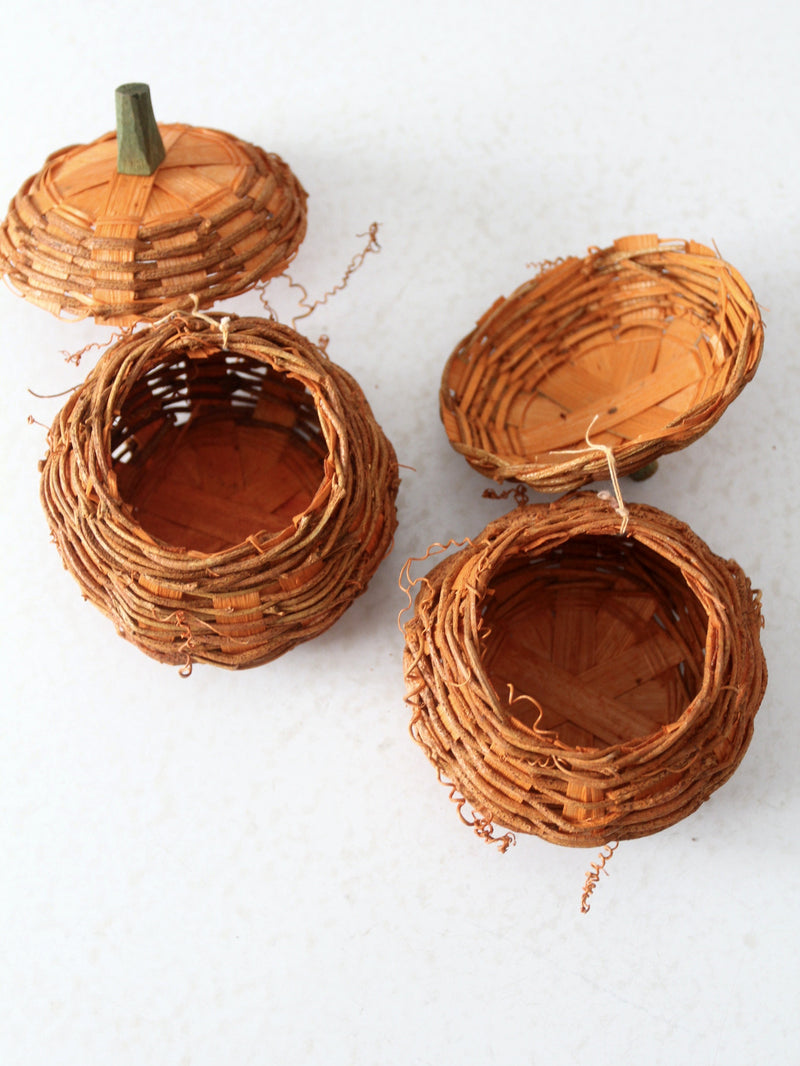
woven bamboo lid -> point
(580, 685)
(645, 343)
(216, 216)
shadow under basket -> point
(580, 685)
(220, 489)
(643, 344)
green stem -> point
(140, 149)
(644, 472)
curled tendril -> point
(519, 492)
(404, 580)
(483, 828)
(309, 306)
(593, 874)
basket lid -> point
(643, 345)
(206, 215)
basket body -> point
(645, 343)
(216, 217)
(579, 685)
(221, 499)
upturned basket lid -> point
(216, 216)
(644, 344)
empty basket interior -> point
(210, 451)
(599, 642)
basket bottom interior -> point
(214, 482)
(599, 642)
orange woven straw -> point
(579, 685)
(646, 342)
(220, 489)
(216, 217)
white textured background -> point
(262, 868)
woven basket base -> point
(592, 642)
(634, 662)
(216, 482)
(210, 453)
(220, 489)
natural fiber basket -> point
(220, 489)
(217, 216)
(579, 685)
(645, 343)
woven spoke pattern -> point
(646, 342)
(579, 685)
(219, 505)
(215, 218)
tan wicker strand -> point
(217, 216)
(579, 685)
(220, 506)
(651, 338)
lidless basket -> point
(220, 489)
(579, 685)
(216, 217)
(644, 343)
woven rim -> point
(494, 750)
(652, 338)
(218, 216)
(253, 600)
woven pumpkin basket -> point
(644, 344)
(214, 217)
(579, 685)
(220, 489)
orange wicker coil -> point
(643, 344)
(220, 489)
(216, 217)
(580, 685)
